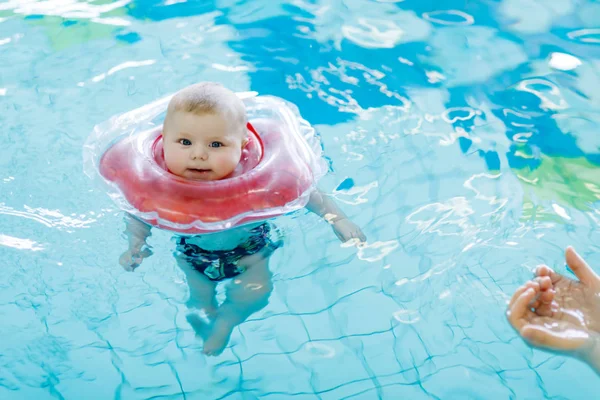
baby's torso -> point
(225, 240)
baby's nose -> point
(200, 153)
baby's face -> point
(202, 147)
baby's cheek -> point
(229, 160)
(174, 162)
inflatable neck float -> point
(278, 170)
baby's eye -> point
(216, 144)
(185, 142)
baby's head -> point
(204, 132)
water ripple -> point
(383, 26)
(547, 91)
(21, 244)
(448, 17)
(50, 218)
(122, 66)
(63, 8)
(586, 35)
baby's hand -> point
(346, 230)
(132, 258)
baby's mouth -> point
(199, 171)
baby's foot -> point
(215, 343)
(209, 310)
(201, 327)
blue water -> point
(464, 140)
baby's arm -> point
(136, 232)
(326, 208)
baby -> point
(204, 133)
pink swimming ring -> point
(279, 168)
(271, 175)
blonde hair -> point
(209, 98)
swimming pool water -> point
(463, 137)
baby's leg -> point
(202, 289)
(246, 294)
